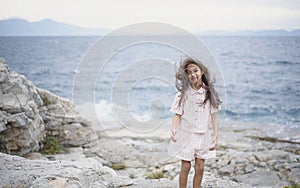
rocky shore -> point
(243, 160)
(28, 114)
(248, 155)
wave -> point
(283, 62)
(234, 115)
(41, 73)
(294, 111)
(231, 53)
(230, 113)
(153, 89)
(252, 113)
(263, 91)
(109, 112)
(266, 63)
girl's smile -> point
(195, 75)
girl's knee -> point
(186, 166)
(199, 168)
(199, 165)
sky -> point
(192, 15)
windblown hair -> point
(183, 82)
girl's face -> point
(195, 74)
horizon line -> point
(197, 32)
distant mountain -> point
(46, 27)
(253, 33)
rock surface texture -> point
(28, 113)
(19, 172)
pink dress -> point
(194, 134)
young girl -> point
(195, 107)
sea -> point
(260, 75)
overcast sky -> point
(193, 15)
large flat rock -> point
(259, 178)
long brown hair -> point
(183, 82)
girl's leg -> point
(185, 169)
(199, 170)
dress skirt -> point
(189, 145)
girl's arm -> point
(176, 121)
(214, 121)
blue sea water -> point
(261, 74)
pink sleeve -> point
(176, 108)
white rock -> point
(259, 178)
(35, 156)
(28, 113)
(16, 171)
(227, 170)
(10, 103)
(18, 120)
(249, 169)
(271, 155)
(3, 121)
(4, 72)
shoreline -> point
(275, 133)
(284, 132)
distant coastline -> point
(45, 27)
(49, 27)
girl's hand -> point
(172, 135)
(213, 144)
